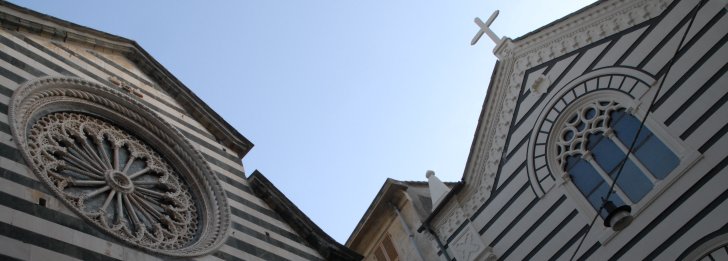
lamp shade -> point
(618, 217)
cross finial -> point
(485, 29)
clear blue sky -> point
(336, 95)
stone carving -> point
(469, 246)
(540, 84)
(449, 221)
(124, 85)
(114, 179)
(572, 137)
(119, 166)
(518, 56)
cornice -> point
(570, 33)
(312, 234)
(17, 18)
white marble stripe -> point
(62, 233)
(618, 49)
(31, 196)
(91, 69)
(14, 69)
(686, 210)
(82, 64)
(700, 106)
(529, 218)
(283, 239)
(713, 221)
(39, 253)
(31, 62)
(240, 253)
(541, 231)
(206, 258)
(10, 84)
(127, 77)
(12, 247)
(266, 246)
(253, 212)
(507, 217)
(501, 199)
(659, 32)
(255, 200)
(215, 154)
(709, 128)
(562, 237)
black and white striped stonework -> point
(523, 221)
(49, 231)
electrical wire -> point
(639, 130)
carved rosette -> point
(119, 166)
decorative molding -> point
(468, 246)
(576, 31)
(49, 114)
(554, 105)
(540, 84)
(449, 220)
(17, 18)
(310, 233)
(124, 85)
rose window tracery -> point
(588, 120)
(119, 166)
(114, 179)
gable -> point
(116, 61)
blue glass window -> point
(593, 178)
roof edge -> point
(557, 21)
(388, 184)
(314, 236)
(66, 31)
(445, 200)
(479, 124)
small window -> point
(385, 251)
(593, 142)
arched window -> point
(592, 142)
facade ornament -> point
(540, 84)
(521, 54)
(469, 246)
(448, 221)
(500, 43)
(124, 85)
(119, 166)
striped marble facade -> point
(35, 226)
(528, 213)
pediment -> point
(126, 53)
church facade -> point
(602, 137)
(105, 155)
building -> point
(388, 229)
(105, 155)
(559, 126)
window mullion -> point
(610, 134)
(588, 157)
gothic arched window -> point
(584, 131)
(592, 143)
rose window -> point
(119, 166)
(114, 179)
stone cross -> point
(485, 29)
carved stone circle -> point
(119, 166)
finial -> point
(429, 173)
(485, 29)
